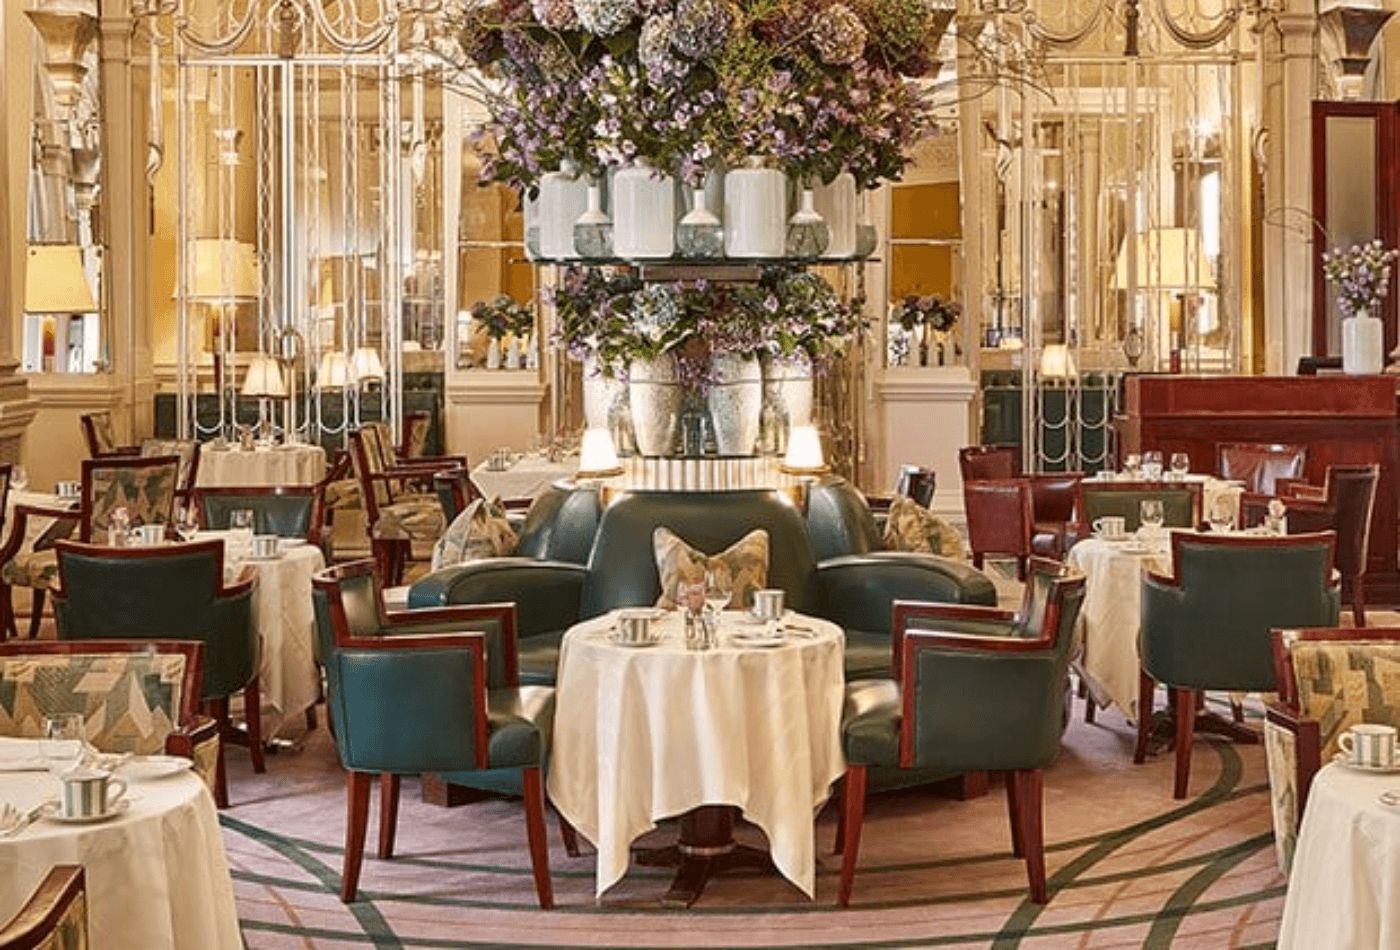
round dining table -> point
(647, 733)
(236, 467)
(1344, 888)
(157, 875)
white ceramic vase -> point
(600, 392)
(838, 205)
(656, 397)
(1363, 344)
(755, 211)
(513, 353)
(643, 212)
(493, 354)
(563, 197)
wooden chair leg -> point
(1090, 708)
(853, 804)
(1185, 731)
(1030, 792)
(1013, 809)
(220, 778)
(570, 836)
(972, 785)
(252, 712)
(1358, 601)
(534, 831)
(1146, 688)
(1023, 566)
(388, 814)
(311, 719)
(977, 560)
(356, 822)
(839, 801)
(37, 617)
(7, 614)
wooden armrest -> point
(879, 502)
(458, 613)
(915, 640)
(1308, 746)
(242, 583)
(15, 541)
(907, 609)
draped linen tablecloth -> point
(1111, 616)
(1344, 890)
(529, 476)
(232, 467)
(642, 734)
(285, 617)
(157, 876)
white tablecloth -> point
(1110, 618)
(645, 734)
(528, 477)
(286, 621)
(1344, 890)
(282, 465)
(157, 876)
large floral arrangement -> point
(1361, 275)
(503, 316)
(930, 311)
(804, 316)
(816, 86)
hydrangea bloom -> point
(702, 26)
(838, 35)
(605, 17)
(654, 43)
(555, 14)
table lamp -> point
(366, 366)
(1057, 363)
(55, 282)
(804, 453)
(333, 371)
(1171, 261)
(597, 457)
(225, 274)
(263, 381)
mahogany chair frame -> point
(358, 783)
(970, 456)
(1023, 553)
(1083, 529)
(315, 522)
(251, 736)
(1278, 450)
(90, 437)
(34, 925)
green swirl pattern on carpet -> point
(1128, 866)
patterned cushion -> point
(373, 463)
(481, 530)
(1281, 752)
(102, 432)
(130, 701)
(37, 569)
(912, 527)
(344, 493)
(1342, 683)
(417, 518)
(184, 449)
(744, 564)
(416, 435)
(147, 494)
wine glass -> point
(1132, 463)
(187, 523)
(19, 477)
(1150, 514)
(717, 591)
(62, 742)
(241, 519)
(1152, 466)
(1181, 464)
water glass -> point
(241, 520)
(1151, 514)
(187, 523)
(1152, 466)
(19, 478)
(62, 742)
(718, 590)
(1132, 463)
(1220, 516)
(1181, 464)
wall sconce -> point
(66, 33)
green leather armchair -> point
(974, 689)
(1207, 626)
(1181, 503)
(171, 592)
(287, 511)
(408, 697)
(855, 590)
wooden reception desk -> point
(1342, 420)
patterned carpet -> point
(1129, 867)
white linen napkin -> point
(21, 755)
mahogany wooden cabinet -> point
(1342, 420)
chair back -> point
(1181, 502)
(1207, 626)
(455, 490)
(980, 462)
(97, 433)
(145, 487)
(131, 693)
(186, 450)
(55, 917)
(1351, 494)
(288, 511)
(999, 516)
(416, 428)
(1260, 464)
(1339, 678)
(839, 521)
(622, 568)
(1053, 495)
(561, 525)
(367, 462)
(917, 483)
(167, 592)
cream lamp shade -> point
(365, 365)
(597, 457)
(333, 372)
(225, 271)
(804, 452)
(264, 379)
(1168, 259)
(55, 281)
(1056, 362)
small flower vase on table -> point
(1363, 344)
(1361, 275)
(493, 353)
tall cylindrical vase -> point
(656, 397)
(755, 211)
(563, 197)
(839, 207)
(788, 384)
(1363, 344)
(644, 213)
(735, 402)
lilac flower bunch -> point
(930, 311)
(587, 318)
(1361, 275)
(803, 314)
(503, 316)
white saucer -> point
(758, 640)
(264, 557)
(1343, 760)
(147, 768)
(51, 813)
(632, 644)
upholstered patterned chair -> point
(396, 515)
(1329, 679)
(55, 917)
(136, 696)
(433, 691)
(1000, 520)
(973, 688)
(187, 451)
(1260, 464)
(145, 487)
(171, 592)
(1181, 503)
(97, 433)
(1207, 626)
(416, 428)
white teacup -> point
(149, 535)
(768, 603)
(1369, 745)
(265, 545)
(89, 793)
(634, 626)
(1111, 527)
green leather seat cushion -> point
(870, 722)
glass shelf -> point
(714, 268)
